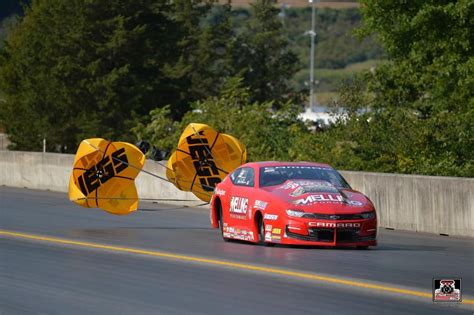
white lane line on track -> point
(215, 262)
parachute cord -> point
(169, 169)
(174, 208)
(144, 199)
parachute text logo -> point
(100, 173)
(203, 161)
(103, 175)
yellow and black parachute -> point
(104, 175)
(203, 158)
(104, 172)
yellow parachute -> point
(202, 159)
(103, 175)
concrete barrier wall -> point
(51, 171)
(433, 204)
(441, 205)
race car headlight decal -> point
(368, 215)
(295, 213)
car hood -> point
(319, 197)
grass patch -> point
(330, 80)
(326, 98)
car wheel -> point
(221, 224)
(362, 247)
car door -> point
(239, 214)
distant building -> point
(319, 116)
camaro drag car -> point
(292, 203)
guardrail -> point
(441, 205)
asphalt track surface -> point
(166, 260)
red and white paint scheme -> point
(292, 203)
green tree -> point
(263, 54)
(267, 133)
(416, 113)
(210, 60)
(81, 68)
(205, 51)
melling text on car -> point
(292, 203)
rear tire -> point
(221, 223)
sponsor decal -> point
(239, 205)
(268, 228)
(276, 237)
(270, 217)
(316, 198)
(290, 185)
(268, 236)
(354, 203)
(447, 290)
(298, 192)
(315, 186)
(276, 231)
(242, 181)
(199, 151)
(219, 192)
(237, 216)
(259, 204)
(334, 224)
(299, 167)
(239, 234)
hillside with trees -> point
(143, 69)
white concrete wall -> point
(416, 203)
(434, 204)
(51, 171)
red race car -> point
(292, 203)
